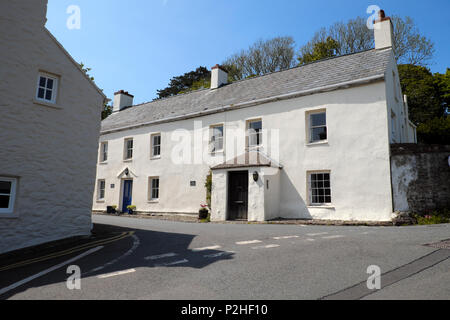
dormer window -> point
(47, 88)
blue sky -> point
(138, 45)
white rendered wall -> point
(50, 150)
(356, 153)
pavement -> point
(175, 260)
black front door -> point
(238, 195)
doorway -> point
(127, 194)
(238, 195)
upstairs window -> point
(318, 127)
(320, 188)
(216, 140)
(104, 152)
(156, 145)
(47, 88)
(128, 153)
(7, 194)
(254, 129)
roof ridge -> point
(256, 77)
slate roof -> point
(248, 159)
(318, 74)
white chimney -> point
(219, 76)
(122, 99)
(384, 32)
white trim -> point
(311, 204)
(54, 89)
(150, 189)
(99, 181)
(9, 212)
(152, 145)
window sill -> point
(330, 207)
(47, 104)
(153, 201)
(10, 215)
(155, 158)
(217, 153)
(100, 201)
(128, 160)
(318, 143)
(103, 163)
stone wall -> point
(420, 177)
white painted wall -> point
(51, 150)
(356, 153)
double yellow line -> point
(123, 235)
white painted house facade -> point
(308, 142)
(49, 128)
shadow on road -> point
(134, 252)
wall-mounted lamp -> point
(127, 171)
(255, 176)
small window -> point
(7, 194)
(47, 88)
(101, 189)
(156, 145)
(128, 149)
(154, 189)
(254, 128)
(320, 188)
(317, 127)
(104, 152)
(216, 139)
(193, 183)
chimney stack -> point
(219, 76)
(122, 99)
(384, 31)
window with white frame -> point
(104, 152)
(254, 133)
(47, 88)
(101, 189)
(7, 194)
(156, 145)
(153, 188)
(319, 188)
(128, 152)
(318, 127)
(216, 139)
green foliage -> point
(131, 207)
(185, 82)
(434, 131)
(424, 98)
(436, 217)
(107, 111)
(86, 70)
(321, 50)
(208, 186)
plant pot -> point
(130, 211)
(203, 214)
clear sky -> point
(138, 45)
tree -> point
(107, 111)
(434, 131)
(86, 70)
(185, 82)
(442, 82)
(354, 36)
(261, 58)
(321, 50)
(424, 98)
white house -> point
(49, 128)
(308, 142)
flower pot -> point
(203, 214)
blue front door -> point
(127, 192)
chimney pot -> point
(384, 31)
(219, 76)
(122, 99)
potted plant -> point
(203, 212)
(131, 209)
